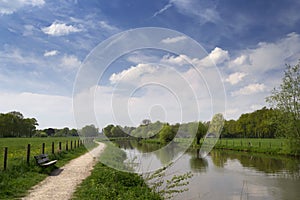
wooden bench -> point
(43, 160)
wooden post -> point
(66, 145)
(74, 144)
(59, 146)
(78, 143)
(52, 149)
(43, 148)
(5, 158)
(71, 144)
(28, 154)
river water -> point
(224, 174)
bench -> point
(43, 160)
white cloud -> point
(60, 29)
(250, 89)
(70, 62)
(173, 39)
(107, 26)
(8, 7)
(235, 77)
(133, 73)
(50, 53)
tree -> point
(202, 129)
(146, 122)
(89, 131)
(286, 98)
(166, 134)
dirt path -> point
(62, 183)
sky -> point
(45, 46)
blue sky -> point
(43, 44)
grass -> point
(17, 147)
(20, 177)
(108, 183)
(257, 145)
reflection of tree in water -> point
(218, 158)
(197, 163)
(263, 163)
(168, 153)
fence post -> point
(5, 158)
(52, 151)
(59, 144)
(28, 154)
(71, 144)
(43, 148)
(66, 145)
(74, 144)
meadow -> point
(17, 148)
(20, 176)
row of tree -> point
(13, 124)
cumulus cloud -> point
(133, 73)
(9, 7)
(235, 78)
(173, 39)
(50, 53)
(60, 29)
(250, 89)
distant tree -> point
(146, 122)
(89, 131)
(201, 131)
(107, 130)
(166, 134)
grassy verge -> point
(108, 183)
(20, 177)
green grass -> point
(108, 183)
(17, 147)
(20, 177)
(258, 145)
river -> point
(224, 174)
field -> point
(17, 147)
(20, 176)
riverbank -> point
(108, 183)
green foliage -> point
(167, 188)
(261, 123)
(13, 124)
(109, 183)
(166, 134)
(89, 131)
(148, 130)
(286, 98)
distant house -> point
(211, 135)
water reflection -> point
(197, 163)
(226, 174)
(263, 163)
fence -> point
(26, 154)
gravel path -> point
(62, 183)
